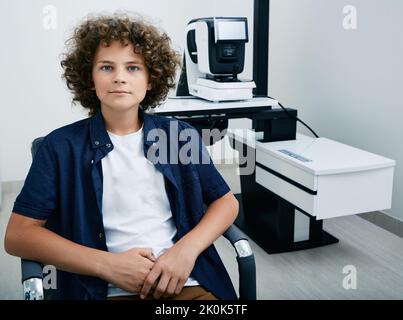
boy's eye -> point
(133, 68)
(106, 68)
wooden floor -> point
(376, 255)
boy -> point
(120, 224)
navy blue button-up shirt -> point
(64, 186)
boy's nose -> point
(119, 81)
(119, 76)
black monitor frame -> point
(261, 46)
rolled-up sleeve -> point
(38, 197)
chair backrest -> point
(52, 221)
(35, 145)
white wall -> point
(346, 84)
(34, 99)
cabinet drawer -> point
(298, 197)
(339, 194)
(296, 174)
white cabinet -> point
(323, 177)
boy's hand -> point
(128, 270)
(170, 272)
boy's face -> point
(120, 76)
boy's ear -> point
(149, 87)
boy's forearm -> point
(40, 244)
(218, 217)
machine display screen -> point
(231, 30)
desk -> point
(315, 178)
(188, 106)
(266, 115)
(298, 181)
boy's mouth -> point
(119, 91)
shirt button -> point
(96, 142)
(92, 161)
(108, 145)
(101, 235)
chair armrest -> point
(31, 271)
(31, 274)
(246, 262)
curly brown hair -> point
(160, 59)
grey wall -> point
(346, 84)
(34, 99)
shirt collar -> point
(99, 136)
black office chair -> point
(31, 271)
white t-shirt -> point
(135, 206)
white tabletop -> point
(326, 156)
(195, 104)
(320, 156)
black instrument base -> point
(275, 234)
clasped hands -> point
(137, 270)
